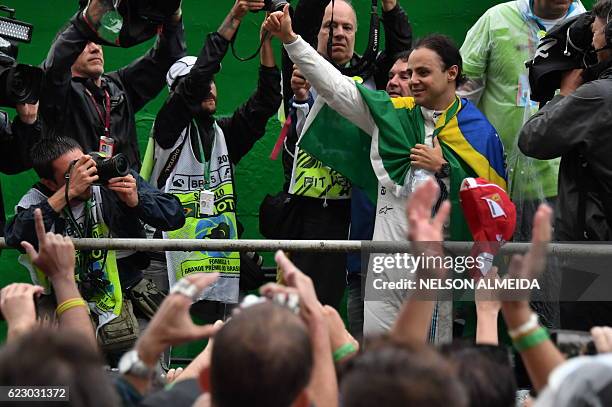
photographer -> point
(74, 206)
(81, 102)
(16, 140)
(196, 153)
(575, 126)
(328, 207)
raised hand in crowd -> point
(126, 189)
(230, 25)
(27, 113)
(602, 337)
(299, 85)
(278, 24)
(339, 337)
(426, 235)
(17, 306)
(172, 324)
(487, 313)
(323, 387)
(540, 355)
(56, 258)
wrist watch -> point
(131, 364)
(444, 171)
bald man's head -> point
(344, 27)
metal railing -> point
(591, 249)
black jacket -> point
(16, 141)
(241, 130)
(67, 109)
(578, 128)
(162, 211)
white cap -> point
(180, 68)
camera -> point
(110, 167)
(568, 45)
(19, 83)
(274, 5)
(129, 23)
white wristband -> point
(532, 323)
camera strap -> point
(104, 119)
(367, 63)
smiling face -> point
(90, 64)
(431, 84)
(344, 27)
(399, 80)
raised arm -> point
(248, 123)
(144, 78)
(398, 38)
(339, 91)
(184, 101)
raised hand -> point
(55, 256)
(17, 306)
(279, 25)
(172, 324)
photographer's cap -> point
(180, 68)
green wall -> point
(256, 174)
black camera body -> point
(110, 167)
(141, 20)
(274, 5)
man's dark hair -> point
(403, 56)
(446, 50)
(47, 150)
(262, 358)
(46, 357)
(602, 8)
(485, 372)
(392, 374)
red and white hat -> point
(490, 215)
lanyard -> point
(83, 233)
(205, 164)
(106, 120)
(448, 116)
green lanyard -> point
(205, 164)
(450, 113)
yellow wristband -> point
(71, 303)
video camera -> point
(566, 46)
(19, 83)
(131, 22)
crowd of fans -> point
(426, 117)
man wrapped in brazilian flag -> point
(389, 146)
(194, 154)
